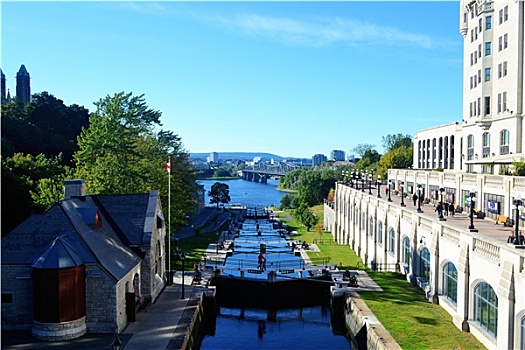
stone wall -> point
(16, 281)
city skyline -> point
(293, 79)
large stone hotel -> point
(468, 263)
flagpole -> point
(169, 221)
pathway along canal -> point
(256, 328)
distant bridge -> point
(261, 172)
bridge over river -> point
(261, 172)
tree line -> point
(117, 149)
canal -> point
(308, 327)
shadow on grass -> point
(396, 289)
(426, 320)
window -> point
(488, 22)
(504, 141)
(504, 101)
(504, 69)
(487, 74)
(7, 298)
(479, 50)
(486, 308)
(505, 13)
(500, 16)
(480, 24)
(500, 43)
(479, 75)
(470, 147)
(479, 106)
(522, 332)
(391, 240)
(472, 35)
(424, 264)
(485, 139)
(487, 105)
(488, 48)
(371, 227)
(380, 233)
(500, 70)
(475, 113)
(505, 41)
(450, 283)
(471, 82)
(406, 251)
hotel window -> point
(479, 50)
(505, 13)
(522, 331)
(391, 240)
(480, 24)
(499, 103)
(474, 108)
(500, 43)
(479, 75)
(380, 233)
(371, 227)
(475, 80)
(488, 48)
(500, 16)
(488, 22)
(472, 35)
(471, 82)
(450, 283)
(504, 101)
(406, 251)
(505, 41)
(479, 106)
(487, 105)
(504, 71)
(425, 264)
(471, 59)
(486, 308)
(504, 136)
(485, 139)
(500, 70)
(487, 74)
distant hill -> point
(239, 156)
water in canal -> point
(251, 328)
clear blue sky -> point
(290, 78)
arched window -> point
(425, 264)
(485, 139)
(406, 251)
(522, 332)
(391, 240)
(486, 308)
(371, 227)
(504, 137)
(380, 233)
(450, 283)
(363, 221)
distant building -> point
(213, 158)
(337, 155)
(3, 90)
(318, 159)
(23, 85)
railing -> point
(494, 181)
(486, 249)
(449, 177)
(451, 235)
(519, 181)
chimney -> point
(74, 188)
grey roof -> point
(60, 254)
(125, 220)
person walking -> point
(521, 239)
(262, 262)
(414, 198)
(446, 207)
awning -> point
(501, 159)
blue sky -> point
(290, 78)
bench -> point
(479, 214)
(143, 303)
(502, 219)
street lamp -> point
(363, 177)
(441, 190)
(370, 183)
(402, 185)
(419, 193)
(378, 186)
(181, 255)
(389, 190)
(472, 200)
(352, 179)
(518, 203)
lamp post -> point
(518, 203)
(370, 183)
(419, 192)
(402, 185)
(378, 186)
(363, 177)
(389, 190)
(352, 179)
(441, 190)
(179, 254)
(472, 200)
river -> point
(251, 328)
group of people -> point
(521, 238)
(443, 209)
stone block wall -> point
(16, 281)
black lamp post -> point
(402, 185)
(389, 190)
(363, 177)
(370, 183)
(441, 190)
(518, 203)
(419, 192)
(179, 254)
(472, 200)
(352, 179)
(378, 186)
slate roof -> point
(123, 219)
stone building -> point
(84, 264)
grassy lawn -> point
(402, 308)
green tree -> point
(362, 148)
(396, 158)
(219, 193)
(286, 201)
(519, 167)
(311, 190)
(305, 216)
(392, 141)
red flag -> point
(168, 167)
